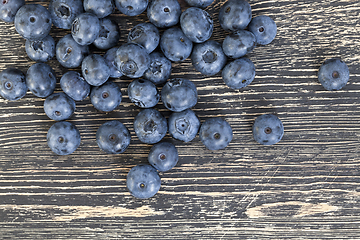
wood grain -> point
(305, 187)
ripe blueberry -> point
(268, 129)
(12, 84)
(163, 156)
(143, 181)
(59, 106)
(143, 93)
(63, 138)
(333, 74)
(106, 97)
(184, 125)
(215, 133)
(238, 73)
(150, 126)
(113, 137)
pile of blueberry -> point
(186, 34)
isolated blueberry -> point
(163, 156)
(143, 181)
(41, 80)
(107, 97)
(74, 85)
(85, 28)
(150, 126)
(238, 44)
(131, 7)
(238, 73)
(184, 125)
(63, 138)
(109, 34)
(113, 137)
(132, 60)
(9, 8)
(63, 12)
(333, 74)
(101, 8)
(179, 94)
(69, 53)
(196, 24)
(199, 3)
(175, 45)
(41, 50)
(235, 15)
(268, 129)
(95, 70)
(215, 133)
(143, 93)
(264, 29)
(145, 34)
(59, 106)
(12, 84)
(33, 22)
(159, 70)
(110, 60)
(164, 13)
(208, 57)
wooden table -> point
(304, 187)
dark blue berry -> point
(85, 28)
(143, 93)
(333, 74)
(184, 125)
(164, 13)
(107, 97)
(235, 15)
(159, 70)
(131, 7)
(179, 94)
(175, 45)
(145, 34)
(12, 84)
(264, 29)
(63, 138)
(238, 44)
(74, 85)
(109, 34)
(238, 73)
(101, 8)
(33, 22)
(59, 106)
(64, 12)
(208, 57)
(41, 80)
(199, 3)
(9, 8)
(163, 156)
(196, 24)
(113, 137)
(268, 129)
(69, 53)
(95, 70)
(41, 50)
(215, 133)
(110, 60)
(143, 181)
(150, 126)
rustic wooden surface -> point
(304, 187)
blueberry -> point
(12, 84)
(150, 126)
(109, 34)
(145, 34)
(238, 73)
(107, 97)
(113, 137)
(9, 8)
(74, 85)
(143, 93)
(199, 3)
(196, 24)
(333, 74)
(264, 29)
(41, 80)
(41, 50)
(132, 60)
(239, 43)
(110, 60)
(95, 70)
(64, 12)
(100, 8)
(159, 70)
(179, 94)
(143, 181)
(59, 106)
(69, 53)
(235, 15)
(33, 22)
(175, 45)
(164, 13)
(63, 138)
(184, 125)
(215, 133)
(131, 7)
(268, 129)
(208, 57)
(163, 156)
(85, 28)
